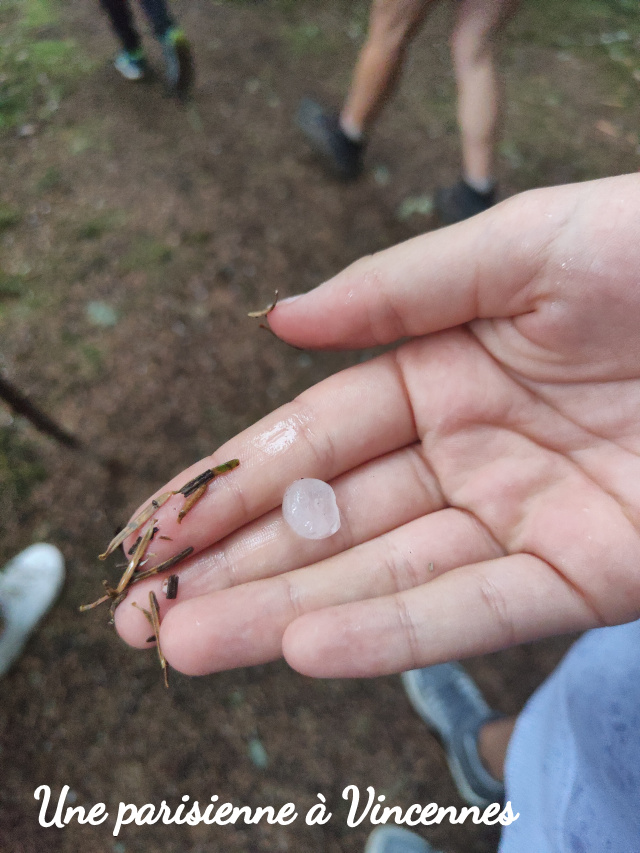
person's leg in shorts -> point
(478, 24)
(339, 139)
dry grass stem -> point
(96, 603)
(162, 567)
(206, 477)
(191, 501)
(153, 617)
(138, 554)
(256, 314)
(137, 522)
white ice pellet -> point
(309, 507)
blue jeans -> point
(573, 763)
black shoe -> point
(453, 204)
(323, 131)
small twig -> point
(116, 598)
(170, 587)
(201, 480)
(96, 603)
(114, 604)
(195, 489)
(155, 621)
(134, 546)
(156, 503)
(23, 406)
(138, 554)
(153, 616)
(255, 314)
(206, 477)
(191, 501)
(162, 567)
(137, 522)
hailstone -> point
(309, 507)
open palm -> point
(487, 470)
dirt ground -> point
(135, 234)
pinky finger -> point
(469, 611)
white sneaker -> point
(29, 584)
(132, 66)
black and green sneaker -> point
(179, 67)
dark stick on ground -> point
(22, 406)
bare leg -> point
(493, 740)
(478, 23)
(392, 24)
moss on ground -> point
(20, 467)
(37, 66)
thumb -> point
(487, 266)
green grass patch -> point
(146, 253)
(9, 216)
(20, 467)
(606, 28)
(282, 5)
(36, 69)
(196, 238)
(102, 223)
(51, 180)
(305, 38)
(11, 286)
(38, 13)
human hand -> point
(487, 471)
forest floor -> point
(135, 234)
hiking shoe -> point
(453, 204)
(131, 64)
(392, 839)
(179, 70)
(326, 137)
(29, 584)
(449, 702)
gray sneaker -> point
(392, 839)
(449, 702)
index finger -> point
(352, 417)
(499, 264)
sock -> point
(350, 130)
(483, 186)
